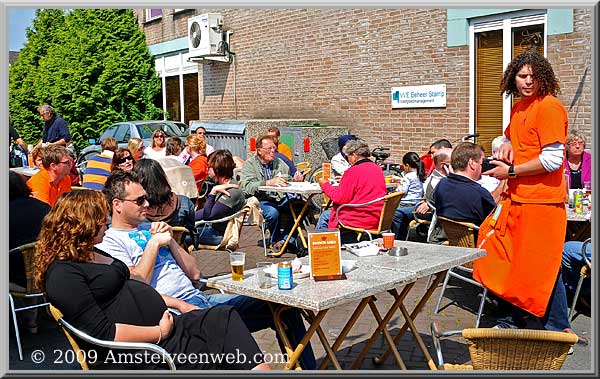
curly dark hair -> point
(542, 74)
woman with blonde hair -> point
(96, 294)
(158, 147)
(196, 148)
(136, 147)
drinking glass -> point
(587, 187)
(237, 260)
(263, 280)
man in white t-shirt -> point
(154, 257)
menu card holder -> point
(324, 249)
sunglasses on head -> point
(139, 201)
(125, 159)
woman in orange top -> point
(196, 148)
(524, 237)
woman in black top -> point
(96, 294)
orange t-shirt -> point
(199, 166)
(44, 189)
(535, 123)
(285, 150)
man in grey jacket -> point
(266, 169)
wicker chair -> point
(240, 218)
(586, 272)
(320, 201)
(15, 291)
(70, 331)
(460, 234)
(508, 349)
(390, 203)
(304, 167)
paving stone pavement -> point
(458, 311)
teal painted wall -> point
(166, 47)
(560, 21)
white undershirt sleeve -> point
(552, 156)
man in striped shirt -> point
(99, 166)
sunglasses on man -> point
(139, 201)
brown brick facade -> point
(338, 66)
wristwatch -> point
(511, 172)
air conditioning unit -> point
(205, 36)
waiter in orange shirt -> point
(524, 237)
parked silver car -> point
(123, 131)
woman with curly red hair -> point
(100, 296)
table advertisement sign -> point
(324, 250)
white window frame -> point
(183, 67)
(505, 22)
(150, 18)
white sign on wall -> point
(430, 96)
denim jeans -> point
(207, 235)
(257, 315)
(402, 218)
(272, 212)
(572, 261)
(323, 222)
(557, 311)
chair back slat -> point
(390, 203)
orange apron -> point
(524, 251)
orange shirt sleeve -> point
(40, 188)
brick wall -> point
(338, 66)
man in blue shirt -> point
(458, 196)
(55, 128)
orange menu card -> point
(326, 171)
(324, 249)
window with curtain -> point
(488, 99)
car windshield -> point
(146, 130)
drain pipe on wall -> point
(234, 88)
(234, 60)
